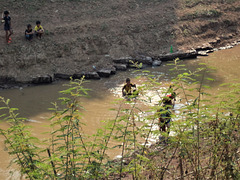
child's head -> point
(6, 13)
(29, 26)
(128, 81)
(38, 23)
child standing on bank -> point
(7, 26)
(39, 29)
(29, 32)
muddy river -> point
(34, 102)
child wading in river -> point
(6, 19)
(165, 116)
(127, 88)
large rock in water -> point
(144, 60)
(42, 79)
(202, 53)
(7, 80)
(204, 47)
(180, 55)
(104, 73)
(123, 60)
(88, 75)
(120, 67)
(130, 60)
(62, 76)
(157, 63)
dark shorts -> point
(7, 28)
(29, 36)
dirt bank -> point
(82, 33)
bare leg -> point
(6, 36)
(10, 33)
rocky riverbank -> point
(121, 64)
(99, 38)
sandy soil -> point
(82, 33)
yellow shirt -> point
(37, 28)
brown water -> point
(34, 102)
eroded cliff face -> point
(83, 34)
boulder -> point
(214, 42)
(157, 63)
(226, 47)
(128, 60)
(210, 51)
(123, 60)
(62, 76)
(7, 80)
(204, 47)
(202, 53)
(42, 79)
(234, 43)
(104, 73)
(180, 55)
(78, 76)
(112, 69)
(120, 67)
(88, 75)
(144, 60)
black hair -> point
(6, 12)
(127, 80)
(29, 25)
(38, 22)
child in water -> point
(39, 30)
(127, 88)
(29, 32)
(6, 19)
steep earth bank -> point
(85, 36)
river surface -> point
(33, 102)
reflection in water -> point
(34, 102)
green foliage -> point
(204, 145)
